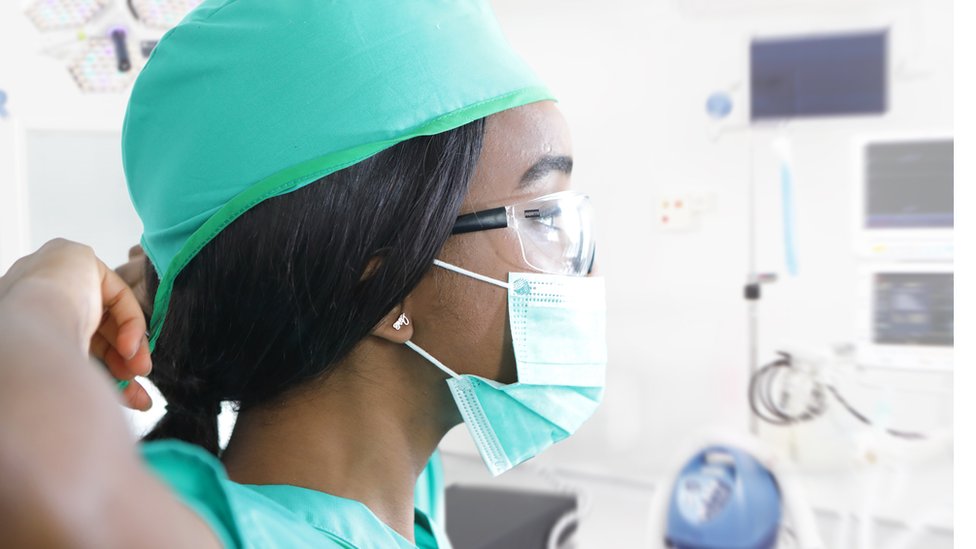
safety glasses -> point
(554, 231)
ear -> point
(396, 326)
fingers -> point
(98, 348)
(125, 349)
(130, 272)
(140, 290)
(139, 364)
(134, 274)
(135, 396)
(120, 368)
(136, 251)
(123, 310)
(63, 271)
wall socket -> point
(681, 211)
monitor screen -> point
(833, 75)
(909, 184)
(913, 309)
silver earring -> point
(401, 322)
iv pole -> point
(752, 291)
(719, 105)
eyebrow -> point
(545, 165)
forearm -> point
(62, 434)
(69, 473)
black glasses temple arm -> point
(495, 218)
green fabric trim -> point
(297, 176)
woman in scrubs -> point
(318, 312)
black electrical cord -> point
(132, 9)
(762, 396)
(863, 419)
(763, 402)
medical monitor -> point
(816, 76)
(907, 316)
(908, 185)
(905, 198)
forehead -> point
(515, 139)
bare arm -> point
(69, 468)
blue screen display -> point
(909, 185)
(913, 309)
(835, 75)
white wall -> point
(42, 97)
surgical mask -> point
(558, 326)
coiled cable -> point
(773, 403)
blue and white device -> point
(724, 499)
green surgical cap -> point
(249, 99)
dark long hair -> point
(282, 294)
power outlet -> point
(678, 212)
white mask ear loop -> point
(465, 272)
(474, 275)
(431, 359)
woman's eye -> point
(547, 231)
(544, 224)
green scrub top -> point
(279, 515)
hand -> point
(134, 274)
(91, 303)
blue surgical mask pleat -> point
(558, 328)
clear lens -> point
(556, 232)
